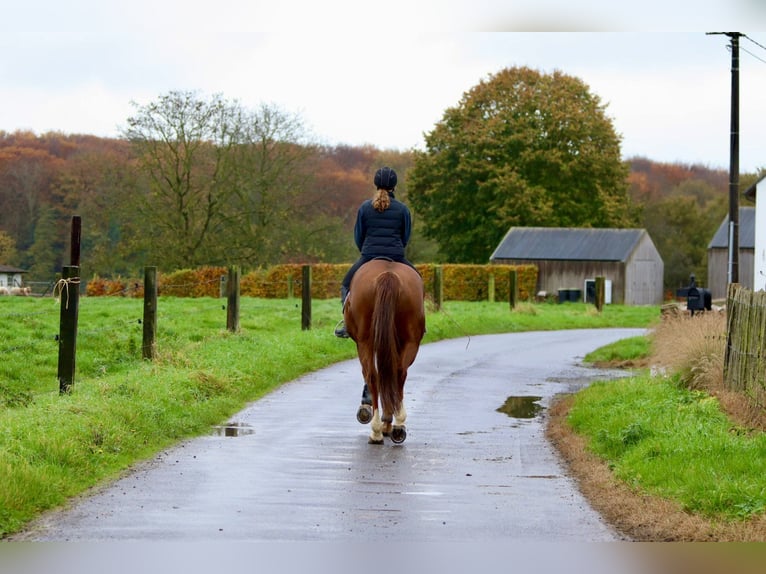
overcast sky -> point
(383, 73)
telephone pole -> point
(733, 275)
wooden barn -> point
(718, 254)
(569, 260)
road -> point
(296, 465)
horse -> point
(384, 314)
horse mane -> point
(385, 340)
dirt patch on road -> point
(638, 516)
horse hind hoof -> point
(364, 414)
(398, 435)
(374, 441)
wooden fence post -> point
(232, 306)
(69, 291)
(600, 294)
(491, 288)
(149, 344)
(74, 244)
(438, 287)
(513, 288)
(306, 295)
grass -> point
(123, 409)
(675, 443)
(675, 434)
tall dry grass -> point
(692, 348)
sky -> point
(360, 73)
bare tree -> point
(218, 178)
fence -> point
(745, 359)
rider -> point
(382, 230)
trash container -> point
(569, 295)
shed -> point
(567, 258)
(718, 254)
(759, 232)
(11, 276)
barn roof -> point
(746, 231)
(9, 269)
(750, 191)
(567, 243)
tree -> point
(681, 224)
(520, 149)
(99, 185)
(218, 178)
(46, 252)
(183, 144)
(8, 253)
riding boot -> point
(340, 331)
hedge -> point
(460, 282)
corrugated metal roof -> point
(563, 244)
(746, 231)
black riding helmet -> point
(385, 178)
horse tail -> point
(385, 346)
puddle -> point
(233, 429)
(521, 407)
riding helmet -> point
(385, 178)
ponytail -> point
(381, 201)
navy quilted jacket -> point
(383, 234)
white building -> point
(10, 276)
(759, 255)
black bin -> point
(571, 295)
(698, 299)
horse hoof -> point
(364, 414)
(398, 435)
(374, 441)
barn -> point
(10, 276)
(718, 254)
(569, 260)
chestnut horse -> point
(385, 316)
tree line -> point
(205, 181)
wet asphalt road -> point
(299, 467)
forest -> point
(46, 179)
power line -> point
(753, 55)
(754, 42)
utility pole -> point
(733, 275)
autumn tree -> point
(47, 250)
(8, 253)
(522, 148)
(100, 186)
(682, 223)
(26, 176)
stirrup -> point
(340, 330)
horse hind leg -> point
(398, 430)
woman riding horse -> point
(385, 316)
(382, 230)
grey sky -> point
(358, 73)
